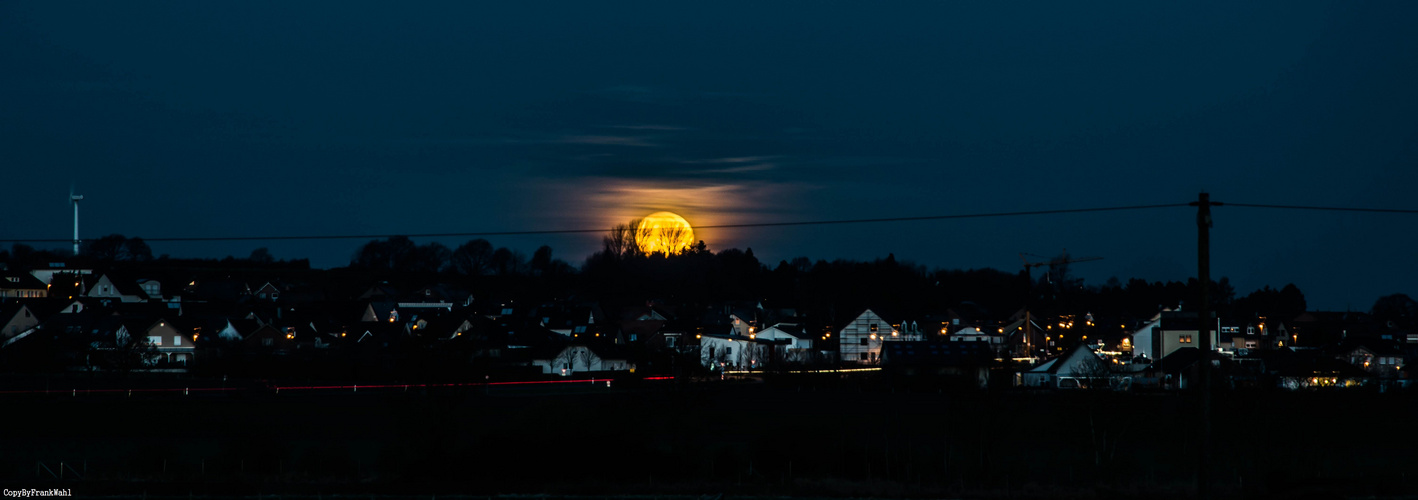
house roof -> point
(11, 280)
(1179, 359)
(122, 284)
(793, 329)
(740, 338)
(842, 324)
(1061, 362)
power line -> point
(737, 226)
(599, 230)
(1333, 209)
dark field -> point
(737, 439)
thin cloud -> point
(661, 128)
(607, 140)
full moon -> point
(664, 232)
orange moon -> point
(665, 233)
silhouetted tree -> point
(541, 260)
(261, 256)
(1398, 309)
(117, 248)
(623, 240)
(507, 262)
(473, 258)
(384, 254)
(137, 250)
(427, 258)
(1285, 303)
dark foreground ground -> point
(739, 440)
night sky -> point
(314, 118)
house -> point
(1078, 367)
(170, 344)
(1380, 361)
(1166, 332)
(994, 337)
(234, 330)
(1311, 369)
(51, 274)
(639, 323)
(72, 340)
(1024, 336)
(16, 319)
(860, 340)
(727, 352)
(271, 338)
(108, 287)
(578, 358)
(22, 286)
(152, 289)
(796, 342)
(1178, 369)
(267, 291)
(1241, 336)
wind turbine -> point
(74, 199)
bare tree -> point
(564, 361)
(623, 240)
(666, 236)
(1094, 372)
(586, 356)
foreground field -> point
(735, 439)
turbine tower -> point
(74, 199)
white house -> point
(1166, 332)
(860, 340)
(1078, 367)
(579, 358)
(795, 344)
(733, 352)
(104, 287)
(791, 333)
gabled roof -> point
(11, 280)
(843, 324)
(122, 284)
(1178, 360)
(740, 338)
(9, 311)
(1066, 361)
(792, 329)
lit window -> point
(177, 340)
(155, 340)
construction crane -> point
(1062, 259)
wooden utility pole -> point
(1203, 331)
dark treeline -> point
(830, 290)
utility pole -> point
(1203, 206)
